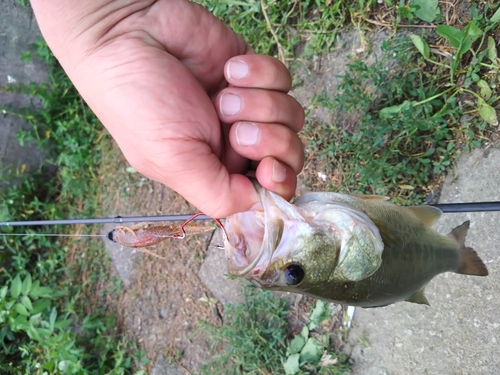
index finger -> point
(258, 71)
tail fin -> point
(471, 263)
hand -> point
(168, 81)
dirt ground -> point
(163, 299)
(161, 304)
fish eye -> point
(294, 274)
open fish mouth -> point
(253, 236)
(245, 234)
(281, 231)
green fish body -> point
(354, 250)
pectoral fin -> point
(419, 297)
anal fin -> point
(419, 297)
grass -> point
(281, 27)
(402, 129)
(412, 121)
(406, 117)
(45, 324)
(254, 335)
(254, 340)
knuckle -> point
(291, 151)
(270, 110)
(285, 146)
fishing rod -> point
(104, 220)
(141, 237)
(445, 207)
(455, 208)
(136, 237)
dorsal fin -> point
(427, 214)
(371, 197)
(459, 233)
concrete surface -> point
(459, 333)
(124, 258)
(215, 277)
(19, 30)
(162, 367)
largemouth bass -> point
(354, 250)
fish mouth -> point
(253, 236)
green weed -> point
(254, 340)
(253, 335)
(281, 27)
(406, 130)
(426, 10)
(309, 351)
(45, 326)
(480, 75)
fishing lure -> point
(145, 235)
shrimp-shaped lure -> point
(146, 234)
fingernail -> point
(230, 104)
(247, 133)
(279, 172)
(237, 69)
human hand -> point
(156, 74)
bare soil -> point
(165, 298)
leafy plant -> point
(477, 82)
(406, 10)
(37, 335)
(310, 350)
(44, 325)
(254, 333)
(428, 10)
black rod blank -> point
(468, 207)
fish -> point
(357, 250)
